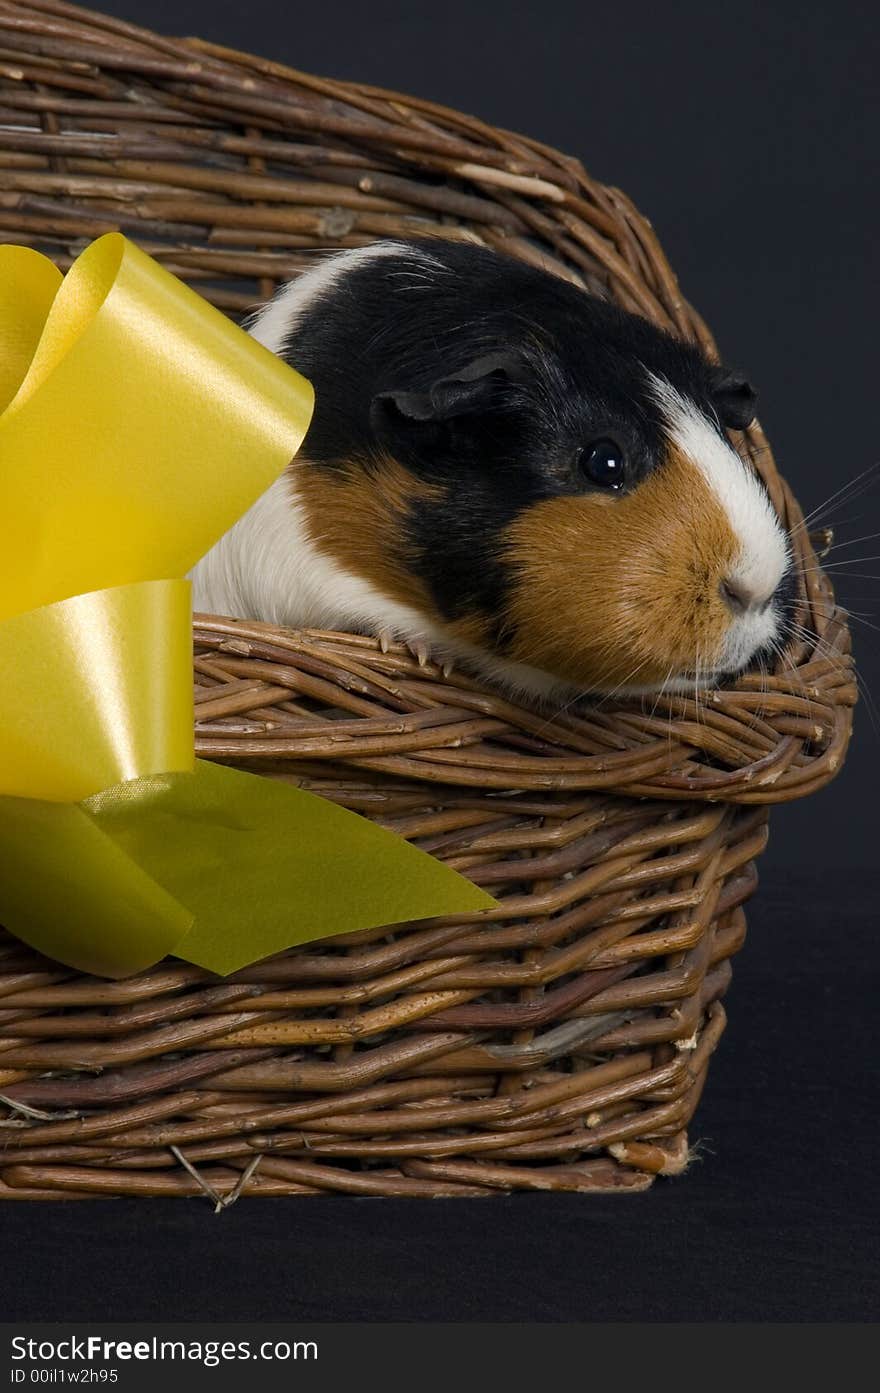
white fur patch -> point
(763, 557)
(266, 566)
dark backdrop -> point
(748, 134)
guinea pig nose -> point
(739, 597)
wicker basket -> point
(561, 1044)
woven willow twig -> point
(562, 1041)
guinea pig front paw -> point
(420, 650)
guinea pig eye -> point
(603, 464)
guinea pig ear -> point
(473, 389)
(734, 397)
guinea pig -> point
(512, 475)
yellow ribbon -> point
(136, 425)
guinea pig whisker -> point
(756, 715)
(860, 575)
(703, 669)
(607, 696)
(861, 480)
(861, 618)
(662, 690)
(818, 645)
(833, 605)
(820, 648)
(787, 662)
(868, 698)
(578, 696)
(807, 635)
(823, 564)
(845, 494)
(852, 561)
(797, 681)
(848, 522)
(837, 546)
(764, 675)
(840, 568)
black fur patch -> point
(395, 327)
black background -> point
(748, 134)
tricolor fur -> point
(440, 494)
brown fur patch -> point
(619, 590)
(358, 518)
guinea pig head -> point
(611, 538)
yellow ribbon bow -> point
(136, 425)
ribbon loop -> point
(113, 674)
(137, 424)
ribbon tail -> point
(264, 866)
(218, 867)
(75, 895)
